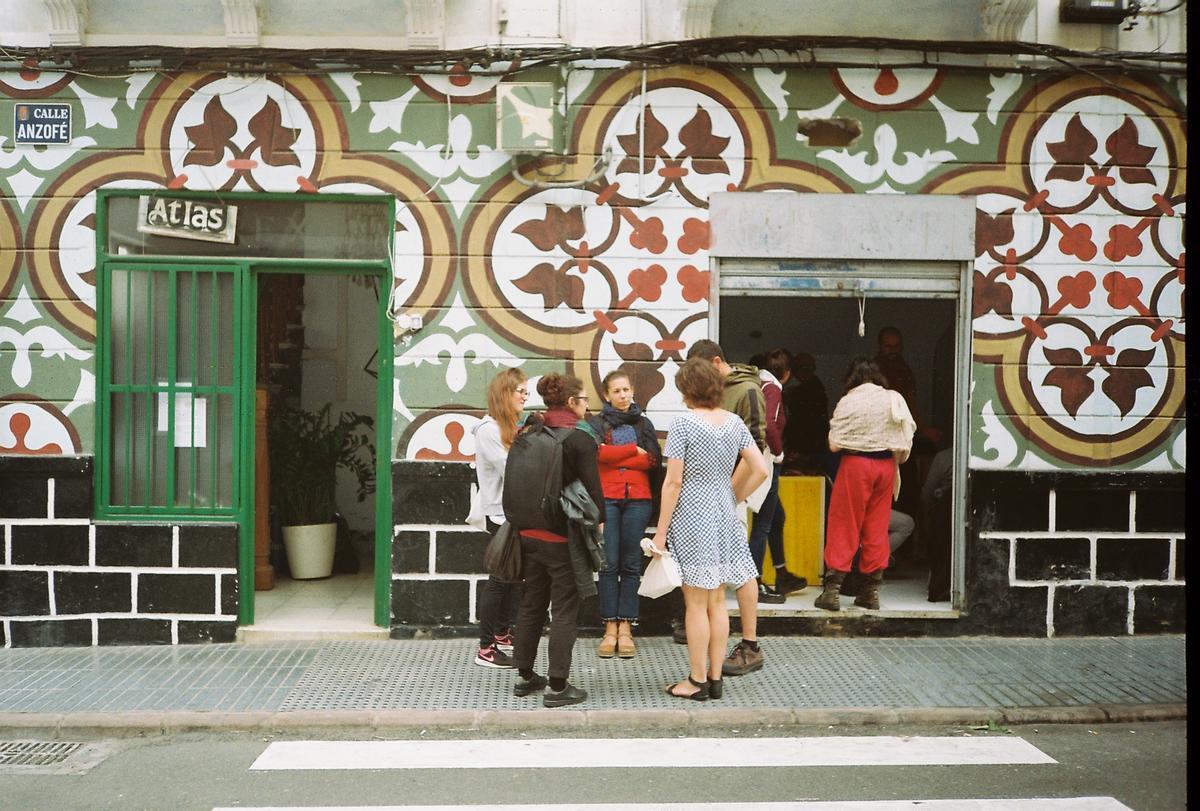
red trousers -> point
(859, 509)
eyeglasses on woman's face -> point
(524, 392)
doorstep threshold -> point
(854, 612)
(255, 634)
(851, 613)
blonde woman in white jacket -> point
(494, 434)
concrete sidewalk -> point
(405, 683)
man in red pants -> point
(873, 429)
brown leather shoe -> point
(608, 645)
(742, 660)
(625, 647)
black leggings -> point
(498, 603)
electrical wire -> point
(723, 52)
(1161, 11)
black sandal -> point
(700, 695)
(716, 687)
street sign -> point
(42, 123)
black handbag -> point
(502, 557)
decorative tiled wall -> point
(1078, 326)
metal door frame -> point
(246, 291)
(946, 280)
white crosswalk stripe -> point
(578, 753)
(677, 753)
(1024, 804)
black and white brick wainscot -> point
(1099, 553)
(66, 580)
(71, 582)
(434, 578)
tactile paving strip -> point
(123, 679)
(800, 672)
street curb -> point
(164, 723)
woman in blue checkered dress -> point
(698, 520)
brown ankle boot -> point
(829, 599)
(869, 596)
(608, 645)
(625, 647)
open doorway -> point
(821, 328)
(318, 369)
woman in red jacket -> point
(630, 461)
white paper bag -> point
(756, 499)
(661, 577)
(475, 517)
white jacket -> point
(490, 457)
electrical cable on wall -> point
(714, 52)
(598, 170)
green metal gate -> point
(170, 400)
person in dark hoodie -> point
(546, 561)
(743, 396)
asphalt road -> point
(1140, 765)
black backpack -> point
(533, 478)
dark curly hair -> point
(556, 388)
(700, 384)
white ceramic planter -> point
(310, 550)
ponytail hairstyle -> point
(556, 389)
(500, 403)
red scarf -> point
(560, 417)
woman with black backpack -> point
(630, 464)
(546, 561)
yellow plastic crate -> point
(803, 499)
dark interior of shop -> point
(827, 329)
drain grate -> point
(51, 757)
(36, 753)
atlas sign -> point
(187, 219)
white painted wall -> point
(340, 333)
(386, 24)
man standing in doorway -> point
(890, 360)
(743, 397)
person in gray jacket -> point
(494, 434)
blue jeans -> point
(625, 523)
(767, 525)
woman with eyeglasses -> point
(494, 434)
(630, 461)
(550, 581)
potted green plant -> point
(306, 449)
